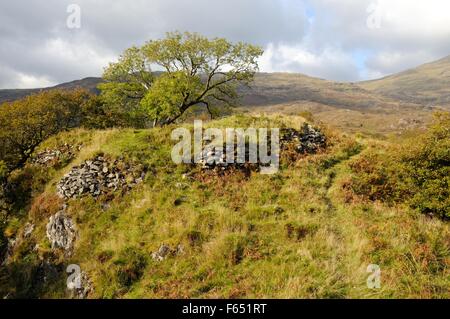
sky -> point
(46, 42)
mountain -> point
(428, 84)
(89, 83)
(395, 103)
(279, 88)
(267, 89)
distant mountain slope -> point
(89, 83)
(278, 88)
(267, 89)
(428, 84)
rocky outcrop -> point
(99, 176)
(61, 231)
(49, 157)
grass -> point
(291, 235)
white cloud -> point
(316, 37)
(411, 31)
(330, 63)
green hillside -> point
(301, 233)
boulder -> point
(61, 231)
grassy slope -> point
(235, 232)
(428, 84)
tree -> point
(126, 83)
(27, 122)
(197, 71)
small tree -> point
(197, 71)
(27, 122)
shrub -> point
(375, 177)
(427, 167)
(25, 183)
(416, 173)
(45, 205)
(31, 120)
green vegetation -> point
(309, 231)
(28, 122)
(302, 233)
(416, 172)
(197, 72)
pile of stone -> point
(99, 176)
(212, 158)
(50, 156)
(307, 141)
(61, 231)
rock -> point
(61, 231)
(96, 177)
(162, 253)
(179, 250)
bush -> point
(427, 167)
(376, 177)
(416, 173)
(31, 120)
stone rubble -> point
(162, 253)
(307, 141)
(214, 158)
(49, 156)
(98, 176)
(61, 231)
